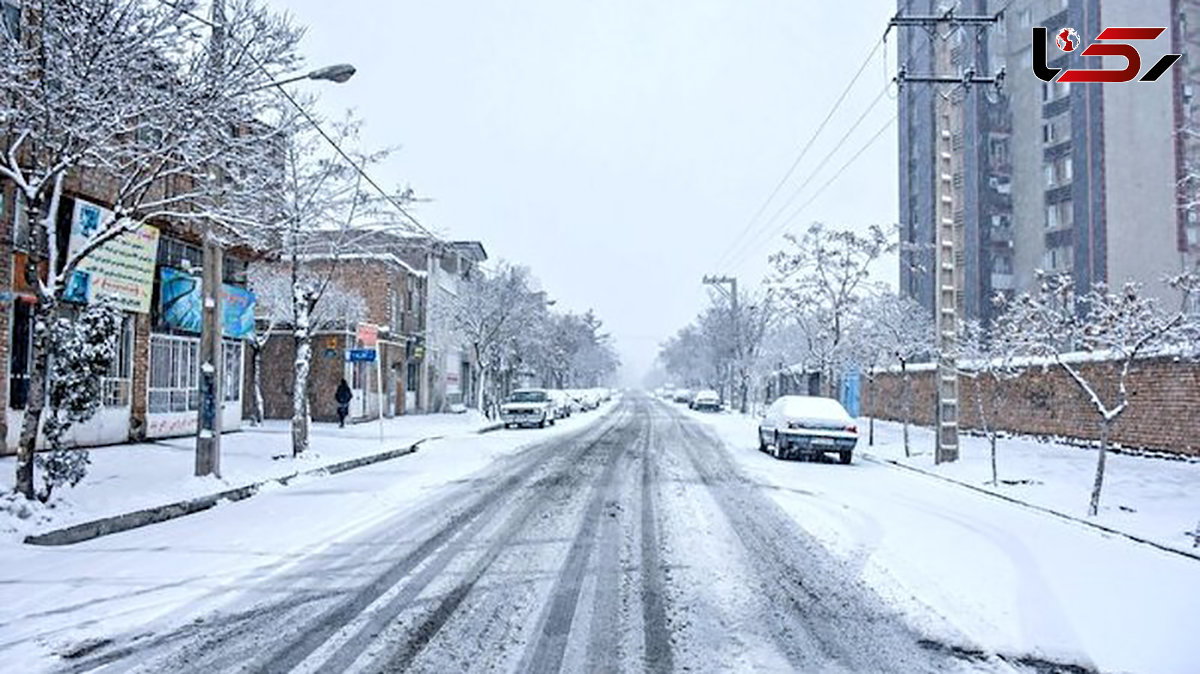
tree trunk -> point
(300, 416)
(907, 409)
(871, 413)
(258, 412)
(35, 398)
(1094, 504)
(992, 439)
(479, 387)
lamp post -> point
(212, 361)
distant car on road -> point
(706, 401)
(807, 426)
(529, 407)
(683, 395)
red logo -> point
(1068, 41)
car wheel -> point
(542, 423)
(776, 450)
(845, 457)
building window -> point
(10, 20)
(1056, 130)
(115, 384)
(20, 355)
(179, 254)
(1059, 258)
(233, 371)
(174, 374)
(412, 376)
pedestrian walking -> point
(343, 397)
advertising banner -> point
(181, 304)
(121, 269)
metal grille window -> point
(174, 374)
(115, 384)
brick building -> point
(151, 390)
(424, 367)
(393, 293)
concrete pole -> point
(212, 365)
(208, 427)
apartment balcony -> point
(1002, 281)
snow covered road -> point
(639, 541)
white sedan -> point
(808, 426)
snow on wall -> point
(1164, 412)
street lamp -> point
(212, 360)
(337, 73)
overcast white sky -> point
(616, 147)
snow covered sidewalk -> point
(1146, 497)
(125, 478)
(977, 572)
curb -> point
(104, 526)
(1042, 509)
(488, 429)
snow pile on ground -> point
(124, 478)
(1148, 497)
(978, 572)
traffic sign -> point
(361, 355)
(368, 334)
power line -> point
(796, 213)
(803, 151)
(311, 120)
(813, 174)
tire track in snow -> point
(428, 629)
(821, 617)
(559, 613)
(657, 633)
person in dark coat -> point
(343, 397)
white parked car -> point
(529, 407)
(706, 401)
(807, 426)
(565, 404)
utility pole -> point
(947, 275)
(212, 365)
(719, 282)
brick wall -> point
(1163, 414)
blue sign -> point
(181, 304)
(361, 355)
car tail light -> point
(852, 428)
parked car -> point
(529, 407)
(588, 399)
(706, 401)
(565, 405)
(807, 426)
(683, 395)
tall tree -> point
(820, 276)
(126, 91)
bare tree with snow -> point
(337, 307)
(889, 329)
(1056, 324)
(135, 94)
(986, 358)
(820, 276)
